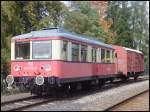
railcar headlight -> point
(39, 80)
(10, 79)
(47, 68)
(17, 68)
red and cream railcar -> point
(56, 57)
(129, 62)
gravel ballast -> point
(98, 101)
(104, 100)
(14, 97)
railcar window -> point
(41, 49)
(102, 55)
(75, 52)
(64, 50)
(93, 54)
(22, 50)
(83, 53)
(108, 56)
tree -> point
(44, 13)
(119, 12)
(83, 19)
(139, 23)
(101, 7)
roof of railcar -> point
(133, 50)
(62, 33)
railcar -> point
(54, 57)
(129, 62)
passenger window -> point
(83, 53)
(64, 50)
(75, 52)
(108, 56)
(93, 54)
(102, 55)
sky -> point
(65, 2)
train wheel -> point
(101, 83)
(39, 94)
(86, 85)
(111, 79)
(39, 91)
(75, 87)
(72, 87)
(135, 77)
(124, 78)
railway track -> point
(21, 99)
(25, 103)
(111, 107)
(32, 101)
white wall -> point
(12, 50)
(56, 50)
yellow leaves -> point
(102, 7)
(106, 24)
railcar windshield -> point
(41, 50)
(22, 50)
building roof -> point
(63, 33)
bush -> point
(5, 67)
(5, 62)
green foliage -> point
(130, 23)
(5, 62)
(84, 20)
(119, 13)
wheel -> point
(101, 83)
(72, 87)
(86, 85)
(124, 78)
(111, 79)
(135, 77)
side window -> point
(93, 54)
(83, 53)
(102, 55)
(64, 50)
(108, 56)
(75, 52)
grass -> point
(14, 90)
